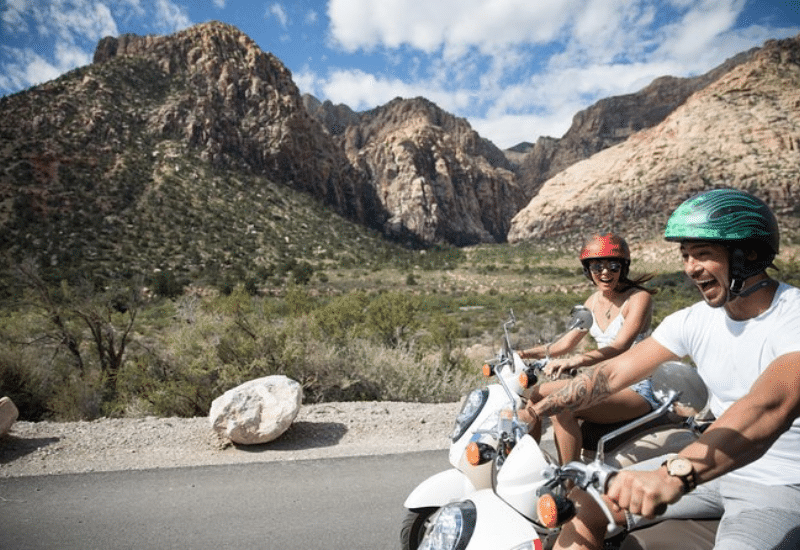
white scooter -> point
(511, 516)
(483, 430)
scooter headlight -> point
(451, 528)
(469, 412)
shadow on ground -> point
(302, 436)
(12, 447)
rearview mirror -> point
(683, 378)
(581, 318)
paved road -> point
(350, 503)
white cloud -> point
(509, 130)
(68, 55)
(64, 33)
(79, 20)
(454, 25)
(360, 90)
(171, 16)
(276, 10)
(703, 23)
(13, 16)
(27, 69)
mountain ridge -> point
(205, 130)
(741, 131)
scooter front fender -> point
(499, 526)
(440, 489)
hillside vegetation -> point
(413, 327)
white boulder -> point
(257, 411)
(8, 414)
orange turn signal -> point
(479, 453)
(528, 378)
(473, 454)
(548, 511)
(554, 510)
(488, 370)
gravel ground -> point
(320, 431)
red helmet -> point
(605, 246)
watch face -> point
(679, 467)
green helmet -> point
(731, 217)
(724, 215)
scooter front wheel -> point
(414, 525)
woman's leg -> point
(537, 393)
(623, 405)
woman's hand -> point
(556, 367)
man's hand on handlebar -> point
(644, 493)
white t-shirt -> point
(730, 355)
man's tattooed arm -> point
(588, 387)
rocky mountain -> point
(611, 121)
(438, 180)
(742, 130)
(196, 150)
(433, 173)
(182, 152)
(334, 118)
(239, 107)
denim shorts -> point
(645, 389)
(754, 516)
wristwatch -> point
(679, 467)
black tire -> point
(413, 528)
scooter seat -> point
(592, 432)
(690, 534)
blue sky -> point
(516, 69)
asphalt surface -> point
(347, 503)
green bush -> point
(354, 338)
(392, 316)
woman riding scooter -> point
(621, 312)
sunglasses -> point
(598, 267)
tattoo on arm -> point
(589, 386)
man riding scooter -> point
(744, 338)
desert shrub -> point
(392, 316)
(22, 379)
(166, 284)
(367, 370)
(302, 273)
(788, 271)
(298, 301)
(342, 317)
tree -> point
(392, 315)
(80, 319)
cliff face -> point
(741, 131)
(611, 121)
(433, 174)
(436, 179)
(240, 107)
